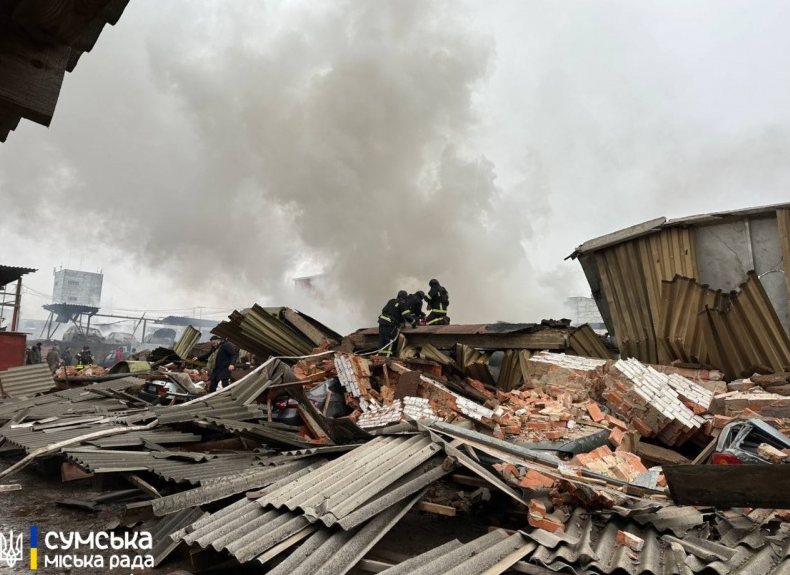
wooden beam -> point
(435, 508)
(707, 451)
(762, 486)
(659, 455)
(542, 340)
(142, 484)
(57, 21)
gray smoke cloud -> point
(227, 147)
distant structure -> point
(77, 288)
(584, 310)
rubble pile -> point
(309, 463)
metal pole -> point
(17, 305)
(145, 323)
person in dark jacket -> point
(66, 356)
(224, 362)
(393, 316)
(414, 303)
(37, 357)
(438, 302)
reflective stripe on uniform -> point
(385, 318)
(438, 311)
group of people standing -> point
(55, 359)
(407, 308)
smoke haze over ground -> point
(207, 152)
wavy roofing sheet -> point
(26, 381)
(186, 342)
(335, 490)
(276, 331)
(748, 334)
(493, 553)
(588, 547)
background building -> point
(77, 288)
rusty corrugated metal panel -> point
(631, 276)
(514, 368)
(186, 342)
(680, 325)
(586, 343)
(748, 335)
(267, 331)
(474, 363)
(26, 380)
(783, 219)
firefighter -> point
(392, 317)
(414, 303)
(438, 302)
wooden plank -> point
(659, 455)
(287, 543)
(469, 480)
(10, 487)
(71, 472)
(542, 340)
(762, 486)
(142, 484)
(372, 566)
(436, 509)
(708, 450)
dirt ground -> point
(36, 504)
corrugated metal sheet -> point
(747, 335)
(474, 363)
(494, 552)
(586, 343)
(234, 482)
(266, 433)
(588, 546)
(10, 274)
(186, 342)
(247, 531)
(162, 529)
(680, 326)
(335, 490)
(136, 438)
(267, 331)
(26, 381)
(631, 275)
(172, 466)
(658, 224)
(514, 368)
(337, 552)
(29, 440)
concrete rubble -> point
(265, 472)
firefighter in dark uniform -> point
(438, 302)
(414, 303)
(392, 317)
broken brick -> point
(616, 436)
(614, 422)
(595, 412)
(633, 542)
(535, 480)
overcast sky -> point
(204, 153)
